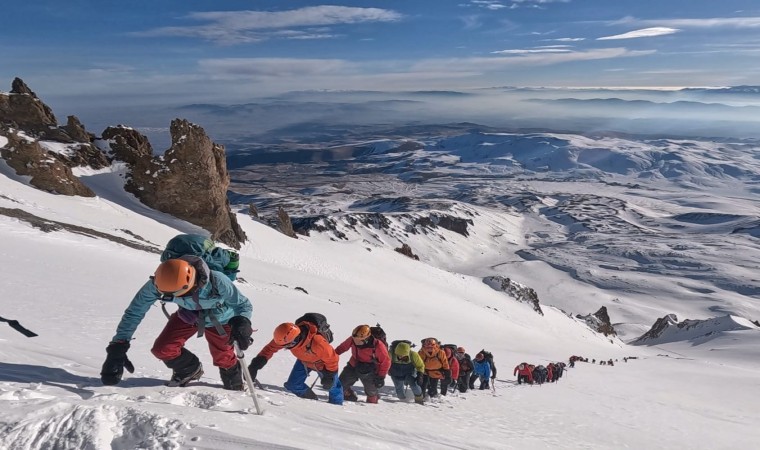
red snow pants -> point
(169, 343)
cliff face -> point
(599, 322)
(189, 181)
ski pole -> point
(247, 375)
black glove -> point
(256, 364)
(116, 361)
(328, 378)
(420, 378)
(446, 373)
(240, 332)
(379, 381)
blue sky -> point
(196, 50)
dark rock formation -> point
(756, 322)
(189, 181)
(28, 158)
(411, 223)
(128, 145)
(22, 109)
(407, 251)
(285, 225)
(599, 322)
(76, 131)
(659, 327)
(445, 221)
(515, 290)
(254, 212)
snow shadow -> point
(56, 377)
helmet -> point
(174, 277)
(479, 357)
(287, 334)
(430, 342)
(361, 332)
(460, 350)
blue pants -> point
(400, 382)
(297, 384)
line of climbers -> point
(429, 372)
(540, 374)
(198, 277)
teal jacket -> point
(224, 302)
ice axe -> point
(247, 376)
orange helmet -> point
(361, 332)
(287, 334)
(430, 342)
(174, 277)
(460, 350)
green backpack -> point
(217, 258)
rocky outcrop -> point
(22, 109)
(658, 329)
(445, 221)
(599, 322)
(406, 250)
(129, 145)
(519, 292)
(285, 225)
(76, 131)
(27, 158)
(189, 181)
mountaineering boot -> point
(182, 379)
(350, 396)
(232, 378)
(419, 400)
(309, 395)
(185, 368)
(372, 399)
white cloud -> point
(488, 4)
(716, 22)
(567, 39)
(531, 50)
(645, 32)
(506, 60)
(234, 27)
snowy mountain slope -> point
(71, 290)
(609, 216)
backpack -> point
(217, 258)
(379, 334)
(320, 321)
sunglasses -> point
(179, 292)
(403, 358)
(294, 342)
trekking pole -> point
(247, 375)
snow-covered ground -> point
(71, 289)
